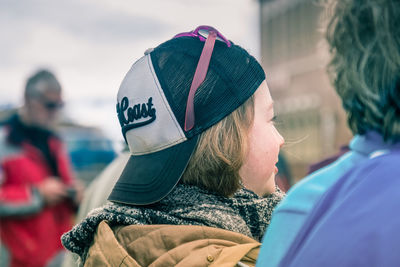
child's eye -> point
(275, 120)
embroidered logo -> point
(138, 111)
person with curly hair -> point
(342, 215)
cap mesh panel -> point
(232, 77)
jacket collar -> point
(169, 245)
(371, 142)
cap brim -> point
(148, 178)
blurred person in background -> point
(96, 195)
(38, 194)
(335, 218)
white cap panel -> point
(144, 111)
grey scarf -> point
(244, 213)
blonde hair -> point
(220, 152)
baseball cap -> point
(168, 98)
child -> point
(197, 116)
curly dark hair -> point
(364, 39)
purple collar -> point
(370, 142)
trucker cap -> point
(168, 98)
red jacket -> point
(33, 236)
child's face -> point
(258, 170)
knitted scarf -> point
(244, 213)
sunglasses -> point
(208, 35)
(52, 105)
(202, 32)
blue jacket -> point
(356, 222)
(289, 216)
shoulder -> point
(380, 171)
(304, 194)
(361, 205)
(367, 188)
(6, 149)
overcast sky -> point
(91, 44)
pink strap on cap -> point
(199, 76)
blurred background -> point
(91, 44)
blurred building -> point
(294, 56)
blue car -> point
(89, 149)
